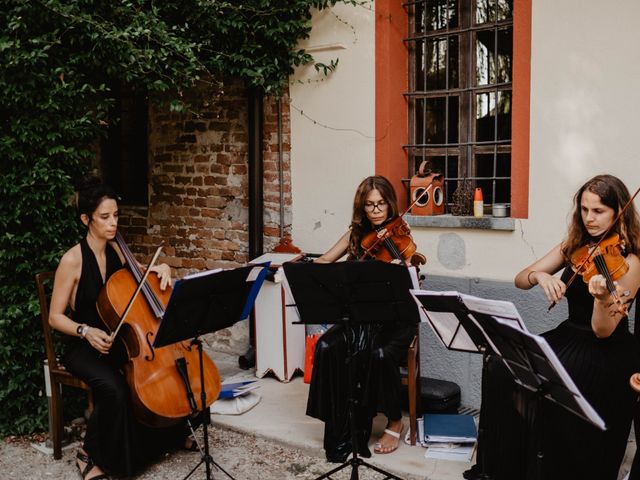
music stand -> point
(204, 303)
(447, 315)
(351, 293)
(528, 357)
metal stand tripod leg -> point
(355, 462)
(206, 457)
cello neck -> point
(149, 295)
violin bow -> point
(595, 247)
(380, 238)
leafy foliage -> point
(60, 62)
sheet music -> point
(447, 326)
(277, 259)
(444, 311)
(496, 308)
(203, 273)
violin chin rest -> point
(418, 259)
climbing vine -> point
(60, 63)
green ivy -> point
(59, 60)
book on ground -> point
(449, 428)
(457, 452)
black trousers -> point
(115, 440)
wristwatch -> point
(82, 330)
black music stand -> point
(448, 317)
(204, 303)
(351, 293)
(528, 357)
(535, 367)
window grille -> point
(460, 86)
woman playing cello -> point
(115, 442)
(374, 205)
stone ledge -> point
(451, 221)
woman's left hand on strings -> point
(598, 289)
(164, 274)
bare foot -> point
(94, 471)
(390, 440)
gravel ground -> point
(244, 457)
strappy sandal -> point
(377, 448)
(89, 464)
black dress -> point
(116, 442)
(572, 447)
(378, 351)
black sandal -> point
(89, 464)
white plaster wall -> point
(332, 125)
(585, 71)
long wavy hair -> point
(614, 194)
(360, 224)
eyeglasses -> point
(371, 206)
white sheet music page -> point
(496, 308)
(276, 259)
(445, 325)
(203, 273)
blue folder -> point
(442, 427)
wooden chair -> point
(411, 378)
(55, 374)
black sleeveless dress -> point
(572, 448)
(114, 439)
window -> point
(460, 92)
(124, 152)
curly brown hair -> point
(360, 224)
(614, 194)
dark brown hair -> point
(90, 192)
(360, 224)
(614, 194)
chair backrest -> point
(44, 284)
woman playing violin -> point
(374, 205)
(115, 442)
(594, 344)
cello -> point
(163, 381)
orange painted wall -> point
(391, 82)
(520, 124)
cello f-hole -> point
(153, 351)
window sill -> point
(452, 221)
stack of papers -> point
(449, 436)
(233, 390)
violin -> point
(584, 255)
(164, 382)
(391, 242)
(605, 259)
(608, 256)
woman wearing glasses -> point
(379, 348)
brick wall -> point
(198, 185)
